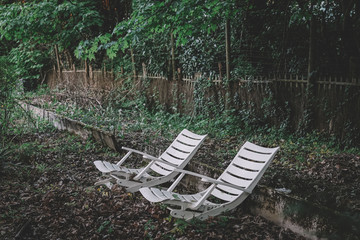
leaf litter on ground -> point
(60, 201)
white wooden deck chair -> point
(225, 193)
(158, 171)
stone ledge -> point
(73, 126)
(289, 211)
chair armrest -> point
(148, 156)
(212, 180)
(133, 150)
(130, 151)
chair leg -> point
(186, 215)
(107, 182)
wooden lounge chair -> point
(158, 171)
(225, 193)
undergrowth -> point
(132, 114)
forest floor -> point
(47, 192)
(333, 182)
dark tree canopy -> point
(266, 36)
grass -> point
(133, 116)
(297, 151)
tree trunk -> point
(312, 53)
(309, 117)
(58, 65)
(133, 63)
(227, 46)
(173, 57)
(69, 59)
(349, 38)
(228, 97)
(87, 75)
(179, 90)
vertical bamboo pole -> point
(56, 48)
(341, 82)
(311, 92)
(86, 72)
(144, 70)
(133, 63)
(297, 80)
(91, 83)
(220, 70)
(228, 97)
(173, 56)
(227, 46)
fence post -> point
(144, 70)
(133, 62)
(220, 71)
(56, 48)
(86, 70)
(311, 92)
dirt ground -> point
(333, 182)
(47, 192)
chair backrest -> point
(181, 150)
(245, 170)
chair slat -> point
(176, 153)
(191, 134)
(188, 198)
(258, 148)
(111, 167)
(240, 172)
(165, 156)
(187, 141)
(168, 195)
(243, 163)
(182, 147)
(230, 190)
(149, 195)
(102, 168)
(174, 196)
(254, 156)
(234, 180)
(157, 192)
(223, 196)
(158, 168)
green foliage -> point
(31, 29)
(88, 48)
(7, 99)
(243, 68)
(180, 226)
(149, 227)
(105, 226)
(28, 63)
(47, 22)
(195, 25)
